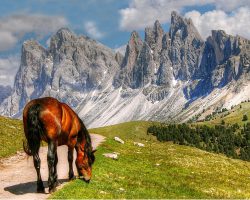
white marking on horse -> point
(45, 112)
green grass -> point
(130, 130)
(235, 115)
(158, 170)
(11, 136)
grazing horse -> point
(47, 119)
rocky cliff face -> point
(165, 57)
(229, 53)
(5, 91)
(156, 79)
(224, 60)
(71, 68)
(126, 74)
(186, 47)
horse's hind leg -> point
(51, 157)
(55, 170)
(70, 160)
(37, 164)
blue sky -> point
(108, 21)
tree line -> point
(231, 140)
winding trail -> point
(18, 175)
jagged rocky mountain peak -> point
(64, 34)
(156, 79)
(219, 34)
(182, 27)
(176, 19)
(134, 34)
(155, 29)
(32, 52)
(70, 68)
(226, 46)
(157, 25)
(61, 37)
(153, 35)
(133, 48)
(135, 40)
(32, 47)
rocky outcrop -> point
(186, 47)
(153, 37)
(125, 75)
(229, 52)
(224, 60)
(30, 79)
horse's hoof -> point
(72, 178)
(51, 190)
(40, 190)
(57, 183)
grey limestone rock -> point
(156, 79)
(71, 65)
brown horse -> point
(57, 124)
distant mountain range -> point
(170, 76)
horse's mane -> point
(88, 145)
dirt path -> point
(18, 175)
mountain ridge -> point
(158, 78)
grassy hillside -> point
(135, 130)
(11, 136)
(231, 116)
(158, 170)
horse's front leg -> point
(51, 158)
(37, 164)
(55, 170)
(70, 160)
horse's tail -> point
(34, 130)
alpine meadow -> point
(133, 99)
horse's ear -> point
(94, 151)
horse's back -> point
(58, 119)
(46, 104)
(49, 114)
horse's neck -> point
(84, 139)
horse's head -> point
(84, 162)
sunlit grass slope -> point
(158, 170)
(232, 116)
(11, 136)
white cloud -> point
(92, 30)
(8, 69)
(14, 27)
(7, 40)
(230, 5)
(236, 22)
(142, 13)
